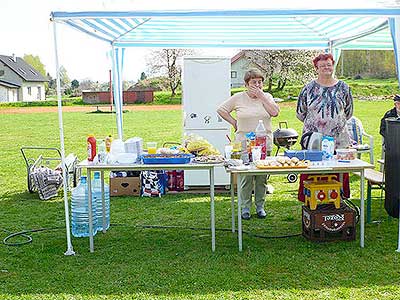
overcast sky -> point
(26, 29)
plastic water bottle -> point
(261, 138)
(102, 154)
(96, 188)
(80, 210)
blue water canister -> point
(80, 210)
(96, 188)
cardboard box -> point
(125, 186)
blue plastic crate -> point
(312, 155)
(160, 159)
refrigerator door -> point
(217, 137)
(205, 84)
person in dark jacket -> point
(392, 113)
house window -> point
(39, 93)
(233, 74)
(33, 72)
(29, 90)
(1, 72)
(22, 71)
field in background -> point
(177, 263)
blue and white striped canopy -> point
(268, 29)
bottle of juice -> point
(261, 138)
(108, 141)
(91, 147)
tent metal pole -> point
(116, 86)
(70, 249)
(394, 25)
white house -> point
(239, 65)
(19, 81)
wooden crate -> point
(328, 223)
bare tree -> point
(164, 62)
(283, 65)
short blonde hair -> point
(253, 73)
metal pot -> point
(285, 137)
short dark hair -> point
(253, 73)
(396, 97)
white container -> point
(134, 145)
(346, 154)
(327, 147)
(117, 146)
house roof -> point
(9, 84)
(22, 68)
(237, 56)
(364, 28)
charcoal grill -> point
(285, 137)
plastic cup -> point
(151, 147)
(256, 153)
(228, 151)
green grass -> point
(130, 262)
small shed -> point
(129, 97)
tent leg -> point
(70, 249)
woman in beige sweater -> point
(251, 106)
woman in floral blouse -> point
(325, 103)
(324, 106)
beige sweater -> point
(248, 112)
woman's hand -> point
(255, 92)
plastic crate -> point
(312, 155)
(159, 159)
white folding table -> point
(91, 167)
(328, 167)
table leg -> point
(362, 217)
(212, 209)
(239, 177)
(89, 181)
(103, 202)
(233, 203)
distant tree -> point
(74, 84)
(143, 76)
(88, 85)
(165, 63)
(155, 83)
(35, 62)
(51, 85)
(281, 66)
(52, 81)
(64, 79)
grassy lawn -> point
(131, 262)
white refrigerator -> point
(206, 83)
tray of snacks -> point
(208, 159)
(282, 162)
(159, 159)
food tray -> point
(159, 159)
(279, 168)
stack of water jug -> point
(80, 207)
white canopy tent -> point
(326, 29)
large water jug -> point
(80, 210)
(96, 188)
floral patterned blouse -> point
(326, 109)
